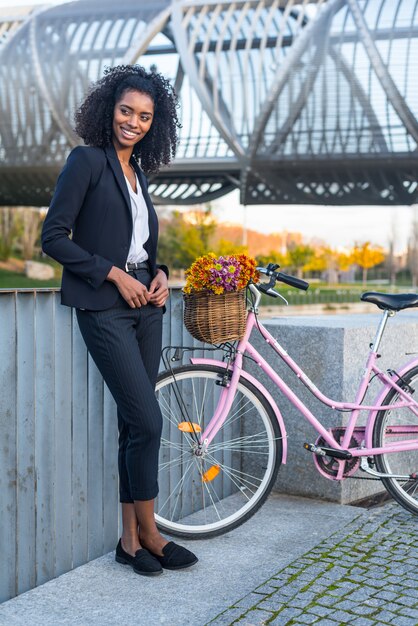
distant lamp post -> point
(244, 225)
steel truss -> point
(290, 101)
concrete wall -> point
(58, 432)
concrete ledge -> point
(103, 593)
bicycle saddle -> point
(391, 301)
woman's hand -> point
(131, 290)
(159, 289)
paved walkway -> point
(364, 574)
(296, 561)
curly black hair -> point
(94, 117)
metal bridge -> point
(290, 101)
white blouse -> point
(140, 231)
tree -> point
(391, 261)
(366, 256)
(273, 257)
(318, 262)
(412, 256)
(8, 232)
(299, 255)
(343, 262)
(185, 237)
(224, 247)
(205, 224)
(28, 229)
(324, 261)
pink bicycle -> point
(224, 437)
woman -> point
(110, 276)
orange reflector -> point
(211, 473)
(189, 427)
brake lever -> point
(276, 294)
(267, 288)
(269, 270)
(262, 270)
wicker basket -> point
(215, 318)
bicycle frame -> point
(245, 347)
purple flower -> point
(225, 273)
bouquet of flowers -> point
(220, 274)
(214, 296)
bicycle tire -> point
(405, 492)
(192, 502)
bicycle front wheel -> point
(207, 494)
(393, 426)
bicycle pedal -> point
(325, 451)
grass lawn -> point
(12, 274)
(322, 293)
(15, 280)
(317, 293)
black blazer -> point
(91, 199)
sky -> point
(15, 3)
(337, 226)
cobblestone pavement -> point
(364, 574)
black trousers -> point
(125, 344)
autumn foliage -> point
(187, 236)
(366, 256)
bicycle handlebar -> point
(292, 281)
(270, 270)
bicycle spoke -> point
(239, 413)
(235, 473)
(175, 425)
(399, 425)
(181, 482)
(240, 487)
(412, 488)
(224, 466)
(166, 444)
(166, 410)
(176, 461)
(207, 487)
(241, 443)
(199, 415)
(177, 486)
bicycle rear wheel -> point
(207, 495)
(398, 425)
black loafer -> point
(142, 563)
(175, 557)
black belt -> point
(130, 267)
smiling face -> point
(132, 119)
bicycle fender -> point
(378, 401)
(262, 389)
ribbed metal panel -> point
(58, 441)
(58, 452)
